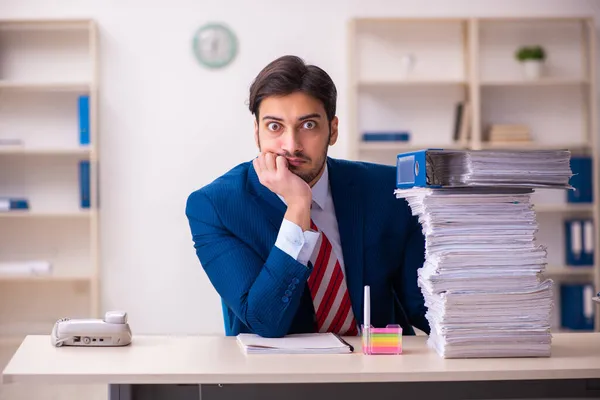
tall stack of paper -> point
(481, 277)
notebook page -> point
(293, 342)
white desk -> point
(213, 361)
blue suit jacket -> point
(234, 223)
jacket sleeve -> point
(263, 294)
(405, 282)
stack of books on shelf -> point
(481, 279)
(503, 134)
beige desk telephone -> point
(113, 330)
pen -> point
(343, 341)
(367, 307)
(367, 315)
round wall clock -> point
(215, 45)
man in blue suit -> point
(290, 239)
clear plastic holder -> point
(386, 340)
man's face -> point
(295, 126)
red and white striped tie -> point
(329, 291)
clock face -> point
(214, 45)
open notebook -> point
(305, 343)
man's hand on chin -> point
(273, 172)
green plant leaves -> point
(530, 53)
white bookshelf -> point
(45, 65)
(24, 86)
(564, 208)
(540, 82)
(561, 271)
(82, 214)
(48, 151)
(394, 83)
(472, 59)
(42, 278)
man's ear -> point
(256, 134)
(334, 131)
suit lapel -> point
(268, 201)
(347, 201)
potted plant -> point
(532, 59)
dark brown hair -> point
(289, 74)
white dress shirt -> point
(300, 245)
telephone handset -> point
(113, 330)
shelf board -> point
(563, 270)
(46, 214)
(45, 86)
(24, 150)
(533, 146)
(44, 278)
(386, 83)
(44, 24)
(410, 20)
(563, 208)
(483, 19)
(566, 330)
(402, 146)
(537, 82)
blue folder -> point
(581, 180)
(576, 307)
(12, 203)
(578, 256)
(411, 170)
(386, 136)
(83, 109)
(84, 184)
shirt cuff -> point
(297, 244)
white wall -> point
(169, 126)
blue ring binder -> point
(411, 170)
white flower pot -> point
(532, 69)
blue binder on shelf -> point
(579, 242)
(576, 306)
(411, 170)
(383, 136)
(13, 203)
(84, 184)
(581, 180)
(83, 105)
